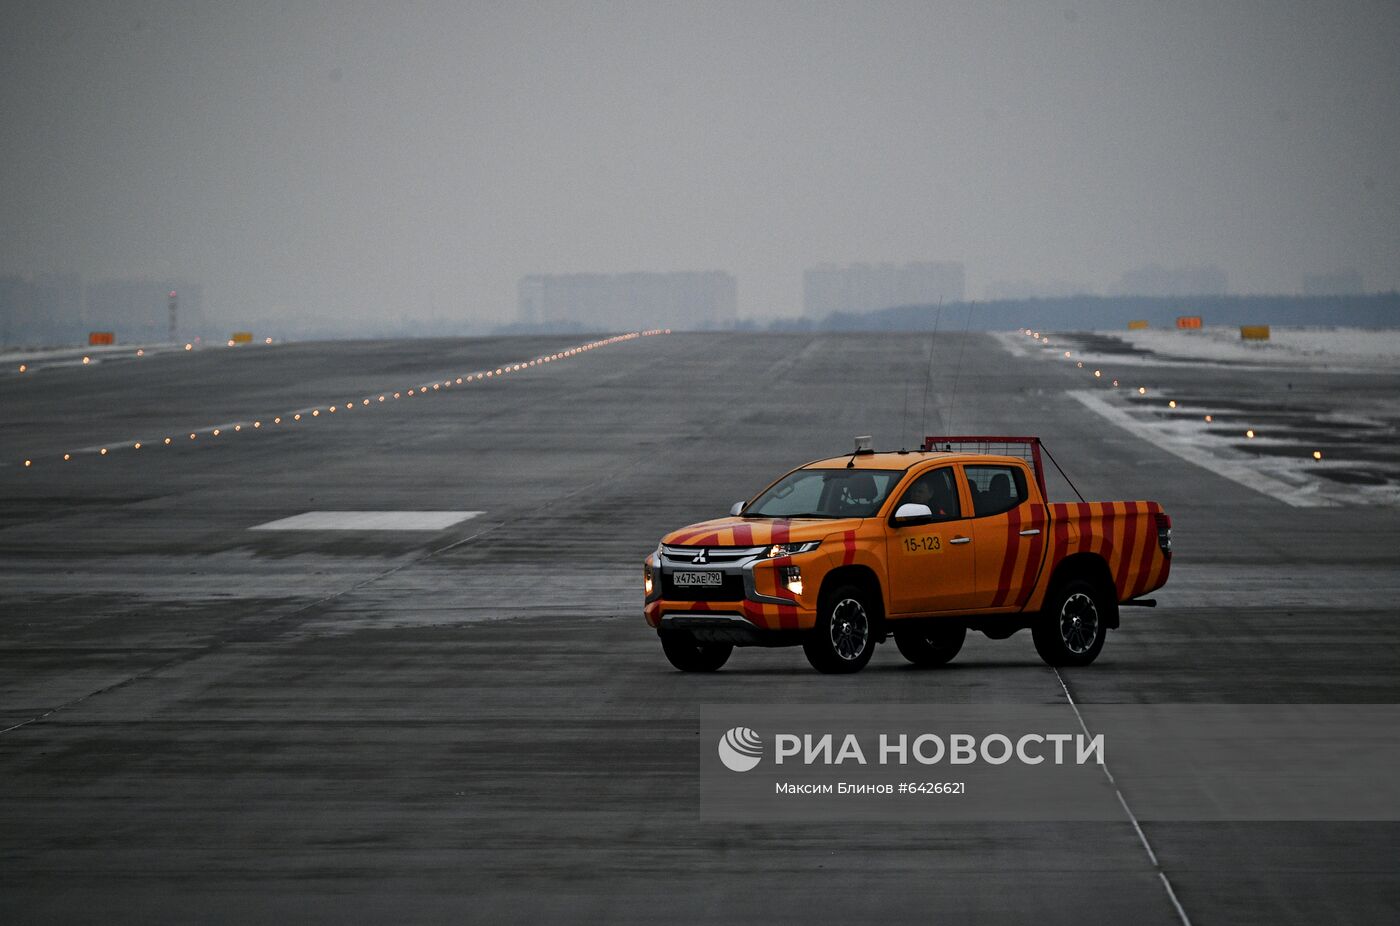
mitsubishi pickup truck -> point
(922, 546)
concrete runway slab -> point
(207, 722)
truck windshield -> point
(825, 493)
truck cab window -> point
(995, 489)
(825, 493)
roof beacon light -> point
(864, 444)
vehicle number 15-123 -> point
(929, 544)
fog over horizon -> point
(361, 162)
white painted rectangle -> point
(369, 521)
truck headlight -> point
(790, 549)
(646, 579)
(791, 577)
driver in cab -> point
(936, 491)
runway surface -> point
(473, 724)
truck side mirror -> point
(912, 513)
(736, 509)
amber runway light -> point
(422, 390)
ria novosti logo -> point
(740, 749)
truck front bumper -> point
(726, 627)
(746, 608)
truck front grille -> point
(713, 556)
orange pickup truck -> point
(842, 553)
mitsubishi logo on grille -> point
(700, 558)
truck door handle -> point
(1034, 531)
(961, 540)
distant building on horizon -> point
(1156, 280)
(623, 301)
(1338, 283)
(57, 308)
(827, 288)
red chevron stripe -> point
(780, 531)
(1028, 574)
(787, 617)
(1132, 527)
(1086, 513)
(1108, 549)
(1008, 561)
(1061, 514)
(1144, 560)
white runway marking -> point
(369, 521)
(1132, 817)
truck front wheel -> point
(688, 655)
(1071, 628)
(843, 638)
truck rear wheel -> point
(1073, 624)
(688, 655)
(843, 638)
(931, 644)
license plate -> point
(698, 578)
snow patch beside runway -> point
(1300, 492)
(1288, 348)
(1325, 444)
(1288, 345)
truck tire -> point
(689, 656)
(932, 644)
(843, 638)
(1073, 624)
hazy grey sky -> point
(378, 159)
